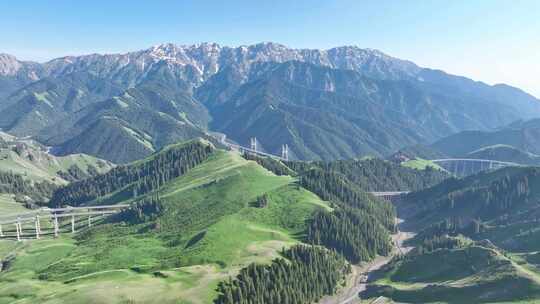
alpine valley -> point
(126, 178)
(325, 104)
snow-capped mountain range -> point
(205, 59)
(336, 103)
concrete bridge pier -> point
(18, 231)
(53, 217)
(19, 224)
(55, 226)
(37, 227)
(72, 224)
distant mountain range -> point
(325, 104)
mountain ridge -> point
(217, 54)
(365, 102)
(185, 54)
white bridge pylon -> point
(52, 215)
(254, 148)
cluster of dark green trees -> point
(466, 203)
(355, 234)
(336, 188)
(495, 198)
(358, 227)
(377, 174)
(273, 165)
(16, 184)
(74, 173)
(143, 178)
(439, 242)
(449, 228)
(304, 275)
(262, 201)
(480, 207)
(506, 193)
(146, 209)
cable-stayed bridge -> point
(255, 149)
(457, 166)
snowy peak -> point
(9, 65)
(198, 62)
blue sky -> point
(493, 41)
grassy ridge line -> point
(101, 266)
(137, 178)
(45, 166)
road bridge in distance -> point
(27, 225)
(466, 166)
(459, 167)
(392, 196)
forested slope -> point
(25, 190)
(506, 196)
(476, 242)
(375, 174)
(302, 276)
(141, 177)
(212, 213)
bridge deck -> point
(60, 212)
(390, 193)
(442, 160)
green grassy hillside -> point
(208, 230)
(9, 205)
(499, 211)
(30, 173)
(421, 164)
(30, 159)
(473, 274)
